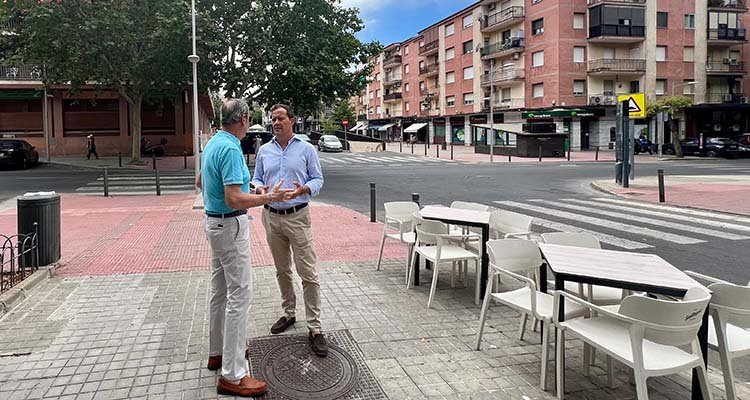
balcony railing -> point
(726, 66)
(617, 65)
(727, 34)
(392, 79)
(428, 69)
(500, 104)
(725, 98)
(503, 75)
(20, 73)
(728, 4)
(392, 96)
(10, 24)
(392, 60)
(603, 99)
(617, 30)
(429, 47)
(623, 2)
(508, 44)
(503, 16)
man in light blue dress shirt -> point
(288, 227)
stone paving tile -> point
(145, 336)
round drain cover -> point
(291, 369)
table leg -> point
(416, 269)
(703, 341)
(485, 259)
(542, 286)
(560, 285)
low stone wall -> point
(365, 147)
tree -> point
(342, 110)
(329, 126)
(137, 48)
(671, 105)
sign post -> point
(345, 123)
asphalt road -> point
(42, 178)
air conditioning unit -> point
(728, 97)
(743, 100)
(734, 61)
(595, 100)
(725, 61)
(516, 56)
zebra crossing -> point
(137, 183)
(735, 168)
(345, 160)
(631, 224)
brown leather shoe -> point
(318, 344)
(214, 362)
(282, 324)
(247, 387)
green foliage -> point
(342, 110)
(329, 126)
(256, 117)
(671, 104)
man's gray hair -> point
(233, 110)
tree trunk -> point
(135, 124)
(675, 131)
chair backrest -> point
(466, 205)
(428, 231)
(502, 222)
(401, 210)
(672, 315)
(734, 296)
(578, 239)
(515, 255)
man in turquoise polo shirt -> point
(225, 181)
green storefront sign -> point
(562, 113)
(20, 94)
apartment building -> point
(562, 61)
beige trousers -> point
(289, 235)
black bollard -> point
(119, 159)
(451, 151)
(372, 202)
(400, 146)
(437, 150)
(106, 182)
(153, 161)
(509, 152)
(158, 184)
(425, 149)
(540, 153)
(568, 151)
(412, 147)
(597, 154)
(661, 186)
(415, 198)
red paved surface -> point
(721, 197)
(124, 235)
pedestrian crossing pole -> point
(106, 182)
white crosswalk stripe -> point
(679, 210)
(139, 184)
(603, 237)
(389, 160)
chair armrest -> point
(731, 310)
(704, 277)
(593, 307)
(496, 270)
(513, 235)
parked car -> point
(329, 143)
(744, 139)
(18, 153)
(303, 137)
(712, 147)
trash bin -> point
(44, 209)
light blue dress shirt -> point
(298, 162)
(223, 165)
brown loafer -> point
(247, 387)
(318, 344)
(214, 362)
(282, 324)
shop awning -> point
(360, 125)
(385, 127)
(373, 126)
(512, 128)
(415, 127)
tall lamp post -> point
(690, 83)
(193, 58)
(491, 136)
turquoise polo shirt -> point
(222, 165)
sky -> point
(389, 21)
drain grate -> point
(292, 371)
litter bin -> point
(44, 209)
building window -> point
(377, 110)
(450, 53)
(450, 77)
(406, 106)
(661, 53)
(468, 47)
(468, 99)
(372, 95)
(469, 73)
(450, 101)
(688, 54)
(406, 50)
(578, 88)
(661, 85)
(450, 29)
(406, 87)
(662, 19)
(377, 76)
(537, 90)
(468, 21)
(537, 59)
(537, 26)
(579, 54)
(688, 86)
(689, 21)
(377, 93)
(505, 94)
(579, 20)
(406, 68)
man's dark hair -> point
(286, 108)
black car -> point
(18, 153)
(712, 147)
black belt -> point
(226, 215)
(285, 211)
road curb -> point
(20, 292)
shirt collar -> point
(232, 137)
(294, 137)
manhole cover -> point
(292, 371)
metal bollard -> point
(540, 153)
(153, 161)
(106, 182)
(372, 202)
(451, 151)
(425, 149)
(661, 186)
(509, 152)
(400, 146)
(568, 151)
(412, 147)
(415, 198)
(597, 154)
(119, 159)
(158, 184)
(437, 150)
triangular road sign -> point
(633, 107)
(636, 104)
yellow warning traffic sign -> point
(636, 104)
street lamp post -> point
(491, 136)
(691, 83)
(193, 58)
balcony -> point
(502, 19)
(391, 61)
(502, 49)
(726, 67)
(428, 92)
(391, 79)
(391, 97)
(726, 36)
(20, 73)
(729, 98)
(503, 76)
(428, 70)
(610, 33)
(429, 48)
(11, 25)
(641, 3)
(603, 99)
(503, 104)
(607, 66)
(727, 5)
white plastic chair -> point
(399, 215)
(646, 335)
(508, 225)
(512, 257)
(729, 326)
(435, 244)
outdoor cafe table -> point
(457, 216)
(634, 271)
